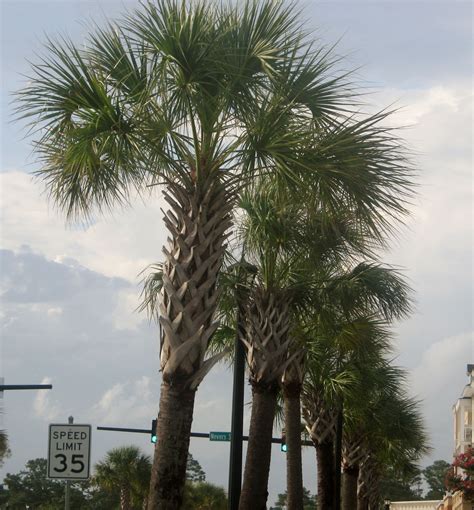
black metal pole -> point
(235, 460)
(338, 457)
(4, 387)
(146, 431)
(275, 440)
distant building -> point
(463, 411)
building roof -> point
(467, 392)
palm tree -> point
(275, 231)
(384, 430)
(347, 326)
(201, 98)
(127, 471)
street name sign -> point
(69, 449)
(219, 436)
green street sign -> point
(219, 436)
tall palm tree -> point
(344, 330)
(276, 231)
(127, 471)
(384, 429)
(199, 97)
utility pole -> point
(235, 460)
(245, 274)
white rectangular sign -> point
(69, 451)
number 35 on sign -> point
(69, 451)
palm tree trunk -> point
(171, 451)
(325, 460)
(362, 503)
(125, 503)
(198, 219)
(349, 487)
(257, 465)
(294, 470)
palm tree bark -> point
(349, 487)
(125, 503)
(198, 220)
(257, 465)
(173, 430)
(294, 470)
(362, 502)
(325, 460)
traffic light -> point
(283, 446)
(153, 431)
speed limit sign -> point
(69, 451)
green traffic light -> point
(153, 437)
(284, 447)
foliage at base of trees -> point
(435, 475)
(401, 488)
(309, 501)
(204, 496)
(30, 487)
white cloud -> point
(438, 380)
(131, 402)
(121, 243)
(55, 311)
(443, 365)
(126, 315)
(44, 407)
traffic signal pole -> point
(4, 387)
(235, 460)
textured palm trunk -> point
(353, 454)
(266, 341)
(349, 487)
(125, 502)
(326, 475)
(292, 383)
(171, 452)
(294, 469)
(367, 486)
(362, 502)
(321, 424)
(257, 465)
(198, 220)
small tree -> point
(194, 471)
(435, 476)
(309, 501)
(31, 488)
(204, 496)
(4, 449)
(126, 471)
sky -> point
(69, 292)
